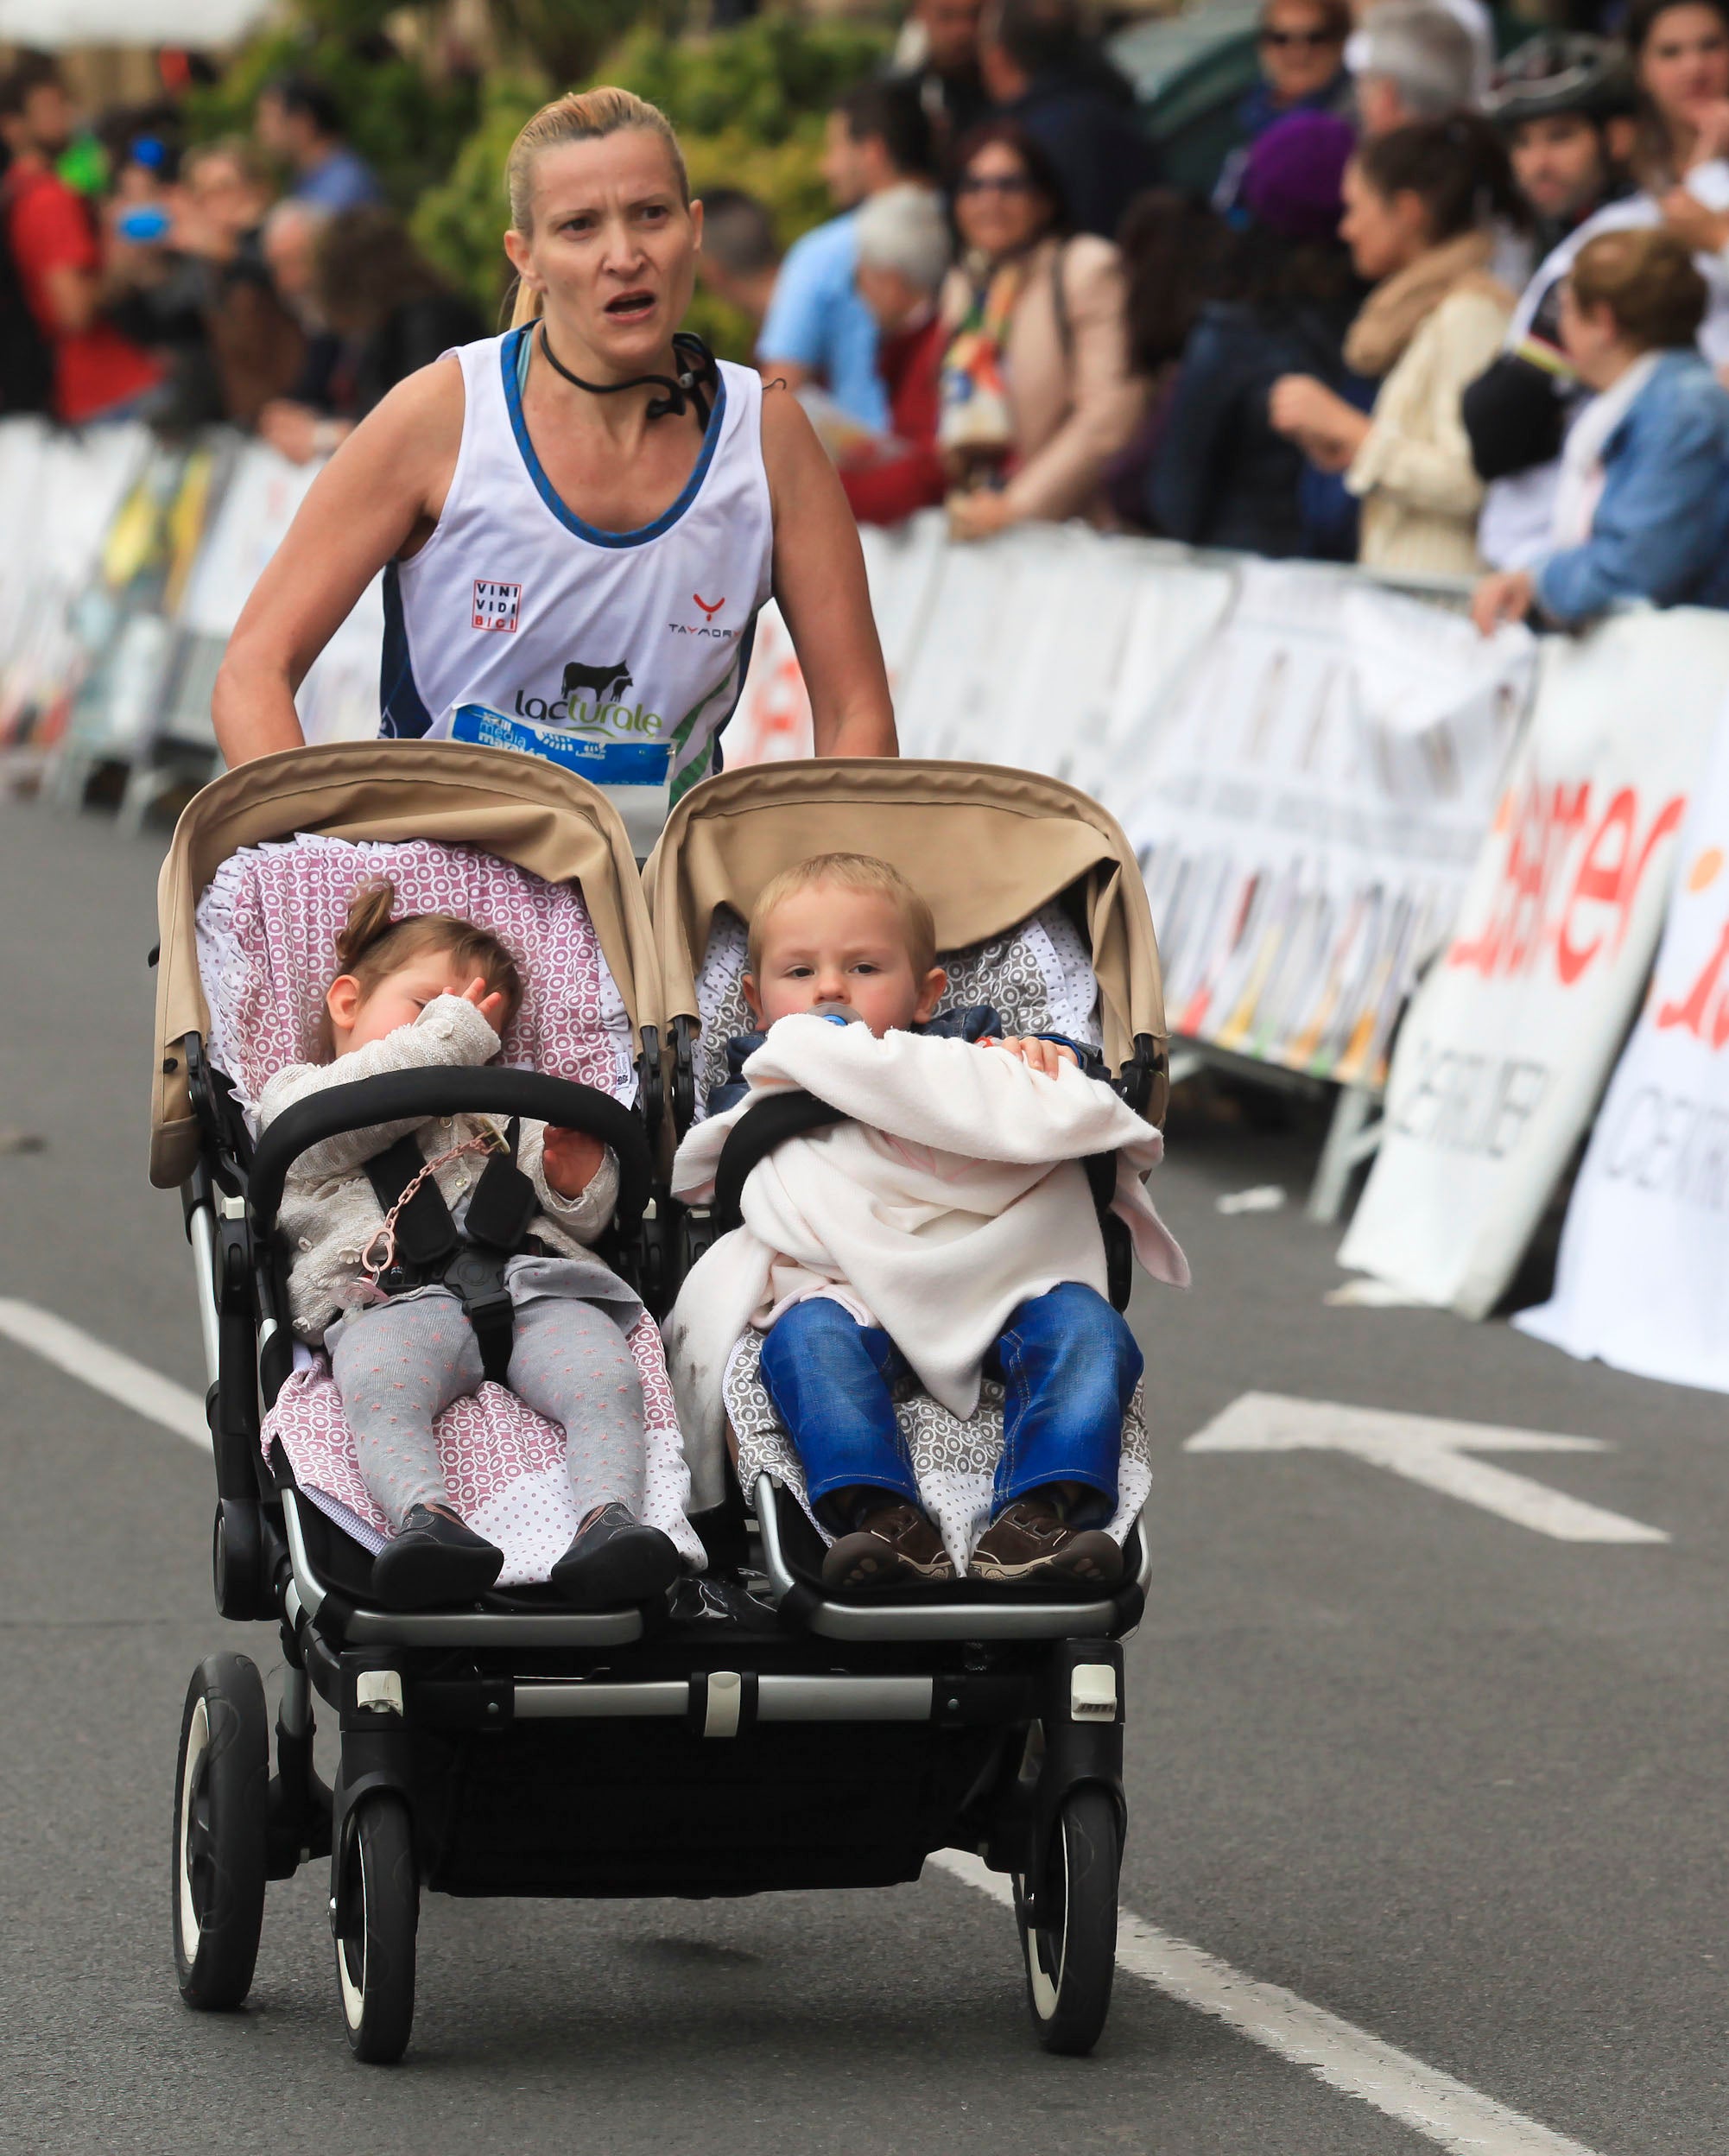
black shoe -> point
(433, 1559)
(614, 1559)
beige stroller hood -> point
(520, 808)
(987, 846)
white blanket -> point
(953, 1194)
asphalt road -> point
(1458, 1783)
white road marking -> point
(1447, 2112)
(1428, 1450)
(1264, 1197)
(69, 1348)
(1365, 1292)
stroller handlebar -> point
(466, 1091)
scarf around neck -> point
(1401, 304)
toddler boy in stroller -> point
(952, 1244)
(505, 1286)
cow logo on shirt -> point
(592, 697)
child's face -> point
(359, 1017)
(830, 945)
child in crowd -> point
(1641, 510)
(416, 993)
(847, 936)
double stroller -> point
(748, 1731)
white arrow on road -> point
(1428, 1450)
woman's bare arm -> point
(379, 494)
(819, 583)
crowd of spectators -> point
(258, 280)
(1438, 313)
(1434, 311)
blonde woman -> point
(578, 521)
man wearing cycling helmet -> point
(1565, 104)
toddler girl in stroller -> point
(423, 1273)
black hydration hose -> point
(696, 377)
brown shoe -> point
(894, 1547)
(1028, 1541)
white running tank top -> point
(620, 654)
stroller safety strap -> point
(429, 1251)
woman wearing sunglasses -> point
(1036, 395)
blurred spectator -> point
(817, 329)
(1052, 81)
(939, 53)
(1417, 202)
(1172, 249)
(1681, 54)
(740, 260)
(1036, 392)
(299, 121)
(1564, 103)
(1411, 59)
(257, 346)
(1643, 509)
(1301, 49)
(288, 242)
(98, 373)
(903, 256)
(1681, 156)
(1224, 476)
(394, 313)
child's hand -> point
(571, 1159)
(1044, 1056)
(492, 1008)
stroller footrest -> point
(725, 1702)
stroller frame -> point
(522, 1748)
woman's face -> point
(613, 248)
(1684, 64)
(1299, 52)
(1385, 233)
(997, 205)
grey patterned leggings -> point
(398, 1366)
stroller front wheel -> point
(378, 1912)
(1071, 1946)
(221, 1808)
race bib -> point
(636, 775)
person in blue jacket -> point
(1642, 508)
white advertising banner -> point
(1644, 1277)
(1505, 1048)
(1311, 802)
(771, 722)
(258, 506)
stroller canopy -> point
(987, 846)
(521, 808)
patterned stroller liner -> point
(266, 930)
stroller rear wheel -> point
(377, 1913)
(1071, 1945)
(221, 1810)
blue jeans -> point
(1068, 1362)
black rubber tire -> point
(375, 1951)
(218, 1866)
(1071, 1954)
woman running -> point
(579, 520)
